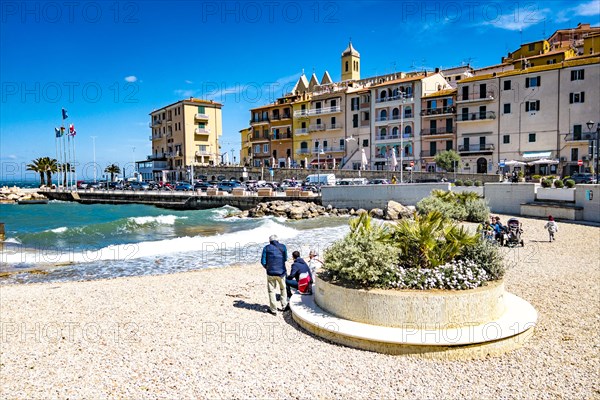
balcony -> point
(277, 117)
(332, 127)
(259, 121)
(201, 116)
(329, 149)
(303, 151)
(437, 131)
(472, 97)
(316, 127)
(301, 113)
(279, 136)
(394, 137)
(580, 137)
(476, 116)
(317, 111)
(438, 112)
(476, 148)
(200, 153)
(395, 98)
(429, 153)
(157, 156)
(201, 131)
(301, 131)
(154, 123)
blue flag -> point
(57, 132)
(64, 113)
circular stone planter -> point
(440, 324)
(420, 309)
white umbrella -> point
(289, 162)
(543, 161)
(394, 162)
(513, 162)
(305, 163)
(364, 160)
(226, 158)
(333, 163)
(272, 162)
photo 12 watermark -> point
(70, 12)
(68, 92)
(270, 12)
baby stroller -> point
(514, 231)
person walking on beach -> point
(300, 277)
(274, 256)
(552, 227)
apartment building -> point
(438, 125)
(246, 146)
(184, 134)
(574, 38)
(260, 138)
(358, 126)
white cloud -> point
(185, 92)
(588, 9)
(188, 82)
(131, 78)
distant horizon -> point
(110, 66)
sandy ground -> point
(206, 334)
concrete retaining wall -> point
(462, 189)
(506, 198)
(417, 309)
(553, 194)
(377, 196)
(588, 197)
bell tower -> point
(350, 63)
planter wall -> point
(416, 309)
(553, 194)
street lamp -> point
(590, 126)
(319, 152)
(403, 100)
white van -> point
(322, 179)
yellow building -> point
(591, 43)
(246, 147)
(301, 150)
(185, 134)
(538, 53)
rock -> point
(395, 210)
(376, 213)
(360, 211)
(329, 207)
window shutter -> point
(539, 81)
(582, 73)
(537, 105)
(526, 82)
(526, 106)
(582, 97)
(571, 98)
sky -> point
(111, 63)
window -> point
(257, 149)
(365, 142)
(407, 130)
(577, 132)
(574, 154)
(355, 121)
(553, 61)
(317, 145)
(354, 103)
(534, 81)
(531, 137)
(576, 97)
(465, 93)
(382, 133)
(507, 108)
(325, 144)
(506, 139)
(432, 148)
(342, 143)
(507, 84)
(333, 120)
(201, 110)
(531, 47)
(265, 148)
(366, 116)
(532, 105)
(482, 91)
(346, 66)
(333, 103)
(577, 75)
(449, 144)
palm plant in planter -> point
(428, 252)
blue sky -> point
(111, 63)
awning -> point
(536, 154)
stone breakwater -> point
(306, 210)
(14, 194)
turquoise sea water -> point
(80, 242)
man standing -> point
(274, 256)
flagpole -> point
(56, 146)
(74, 162)
(66, 164)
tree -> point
(66, 167)
(112, 169)
(447, 160)
(51, 167)
(38, 165)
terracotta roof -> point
(188, 102)
(549, 53)
(494, 66)
(443, 92)
(401, 80)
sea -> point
(67, 241)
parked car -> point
(184, 187)
(380, 182)
(228, 186)
(203, 186)
(582, 177)
(138, 185)
(166, 186)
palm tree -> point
(51, 167)
(38, 166)
(66, 167)
(113, 169)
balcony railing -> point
(489, 95)
(476, 116)
(437, 131)
(157, 156)
(381, 118)
(394, 98)
(438, 111)
(582, 136)
(286, 135)
(201, 116)
(475, 148)
(317, 127)
(202, 153)
(329, 149)
(300, 113)
(301, 131)
(277, 117)
(303, 151)
(332, 127)
(317, 111)
(394, 137)
(429, 153)
(154, 123)
(201, 131)
(259, 120)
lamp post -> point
(596, 147)
(319, 152)
(133, 154)
(402, 100)
(94, 153)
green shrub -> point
(465, 206)
(546, 183)
(468, 182)
(360, 259)
(558, 184)
(477, 210)
(536, 177)
(478, 183)
(486, 255)
(449, 209)
(458, 182)
(570, 183)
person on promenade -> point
(394, 180)
(300, 277)
(498, 230)
(313, 262)
(274, 256)
(552, 227)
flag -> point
(64, 114)
(57, 132)
(72, 130)
(62, 130)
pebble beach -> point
(206, 334)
